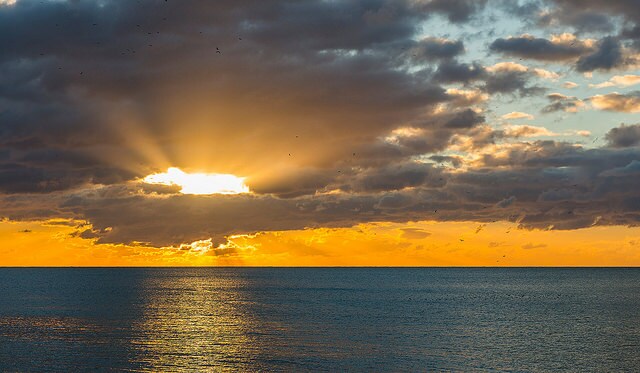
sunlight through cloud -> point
(199, 183)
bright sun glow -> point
(199, 183)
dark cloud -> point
(634, 34)
(607, 56)
(582, 21)
(432, 49)
(538, 48)
(455, 72)
(455, 10)
(632, 168)
(588, 16)
(624, 136)
(455, 161)
(624, 8)
(596, 17)
(294, 182)
(397, 177)
(507, 81)
(560, 102)
(465, 119)
(506, 202)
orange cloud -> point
(618, 81)
(617, 102)
(517, 115)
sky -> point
(286, 133)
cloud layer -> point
(337, 113)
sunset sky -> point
(283, 133)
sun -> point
(199, 183)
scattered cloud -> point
(527, 131)
(560, 102)
(517, 115)
(618, 81)
(625, 103)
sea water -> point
(319, 319)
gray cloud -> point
(453, 72)
(632, 33)
(632, 168)
(560, 102)
(588, 16)
(538, 48)
(624, 136)
(455, 10)
(397, 177)
(506, 202)
(512, 82)
(465, 119)
(581, 20)
(607, 56)
(432, 49)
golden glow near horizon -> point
(199, 183)
(423, 243)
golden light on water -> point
(199, 183)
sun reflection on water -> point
(194, 321)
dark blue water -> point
(366, 319)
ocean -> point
(319, 319)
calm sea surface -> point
(276, 319)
